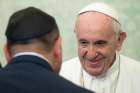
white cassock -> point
(122, 77)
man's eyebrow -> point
(100, 41)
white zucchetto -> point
(102, 8)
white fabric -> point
(102, 8)
(31, 53)
(122, 77)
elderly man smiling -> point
(100, 67)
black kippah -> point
(29, 23)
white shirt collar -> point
(31, 53)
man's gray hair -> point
(116, 27)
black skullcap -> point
(29, 23)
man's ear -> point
(57, 47)
(121, 38)
(57, 53)
(7, 53)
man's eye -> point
(101, 43)
(83, 42)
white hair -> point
(116, 27)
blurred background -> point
(65, 13)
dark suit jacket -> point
(31, 74)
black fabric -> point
(31, 74)
(29, 23)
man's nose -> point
(91, 51)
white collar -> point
(31, 53)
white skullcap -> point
(102, 8)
